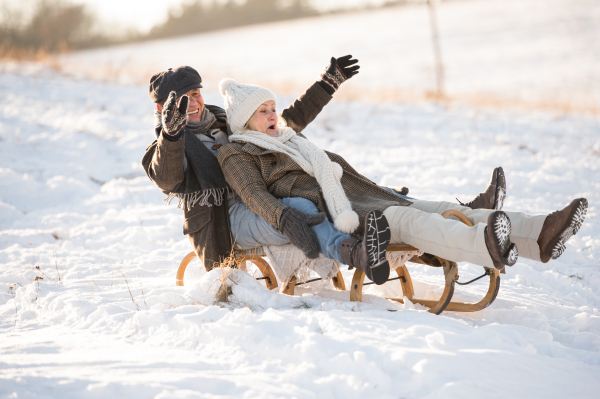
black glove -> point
(337, 72)
(402, 191)
(295, 225)
(174, 116)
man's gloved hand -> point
(295, 225)
(337, 72)
(174, 116)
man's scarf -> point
(207, 179)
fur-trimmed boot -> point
(559, 226)
(497, 240)
(494, 194)
(368, 254)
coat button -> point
(273, 163)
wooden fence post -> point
(437, 48)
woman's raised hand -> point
(337, 72)
(346, 64)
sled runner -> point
(256, 256)
(449, 268)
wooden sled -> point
(450, 274)
(445, 302)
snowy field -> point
(75, 203)
(89, 252)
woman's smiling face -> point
(264, 119)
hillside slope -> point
(75, 204)
(540, 53)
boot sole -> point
(500, 193)
(571, 228)
(508, 251)
(378, 237)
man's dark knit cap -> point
(180, 80)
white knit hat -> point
(241, 101)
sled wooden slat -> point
(485, 302)
(289, 286)
(401, 248)
(454, 306)
(264, 268)
(436, 307)
(182, 266)
(357, 286)
(461, 216)
(406, 282)
(338, 281)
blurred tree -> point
(202, 16)
(47, 26)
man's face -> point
(195, 105)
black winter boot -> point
(497, 240)
(494, 194)
(559, 227)
(368, 255)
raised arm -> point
(164, 163)
(306, 108)
(164, 159)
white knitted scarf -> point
(313, 161)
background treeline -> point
(202, 17)
(35, 28)
(39, 27)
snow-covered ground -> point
(75, 203)
(542, 53)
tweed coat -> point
(261, 176)
(208, 226)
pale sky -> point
(140, 14)
(143, 14)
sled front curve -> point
(435, 307)
(182, 266)
(451, 277)
(262, 265)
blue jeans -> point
(250, 230)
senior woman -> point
(267, 161)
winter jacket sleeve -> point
(164, 163)
(306, 108)
(244, 176)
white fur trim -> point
(346, 222)
(337, 170)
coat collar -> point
(256, 150)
